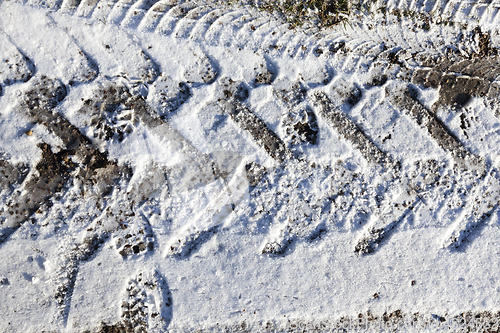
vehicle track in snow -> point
(260, 121)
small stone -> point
(29, 132)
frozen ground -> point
(180, 166)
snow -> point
(226, 279)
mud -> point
(77, 161)
(187, 247)
(407, 99)
(259, 131)
(458, 79)
(231, 102)
(350, 131)
(94, 168)
(483, 42)
(299, 122)
(134, 236)
(367, 321)
(11, 175)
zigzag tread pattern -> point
(378, 61)
(175, 18)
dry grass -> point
(324, 13)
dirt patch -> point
(134, 235)
(456, 90)
(78, 160)
(110, 328)
(394, 321)
(263, 78)
(459, 79)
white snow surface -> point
(228, 279)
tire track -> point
(391, 214)
(234, 94)
(169, 21)
(137, 12)
(473, 169)
(218, 20)
(154, 15)
(376, 63)
(186, 25)
(179, 13)
(129, 9)
(349, 130)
